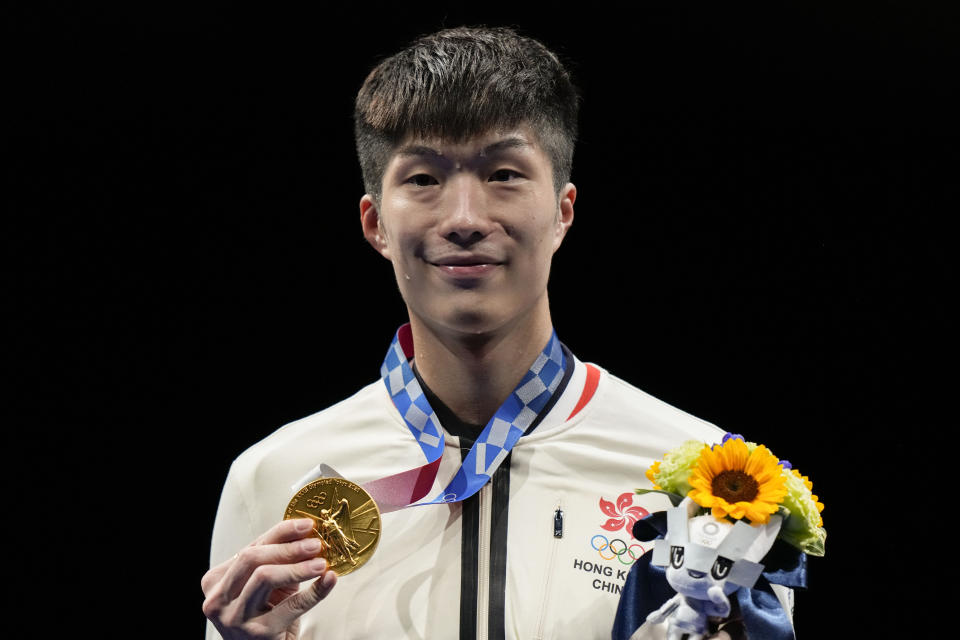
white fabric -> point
(556, 588)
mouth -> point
(466, 266)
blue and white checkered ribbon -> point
(502, 432)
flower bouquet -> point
(741, 520)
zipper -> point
(557, 535)
(483, 561)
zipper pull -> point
(558, 523)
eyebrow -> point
(512, 142)
(421, 150)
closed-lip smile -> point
(466, 265)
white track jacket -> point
(552, 550)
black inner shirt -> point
(467, 434)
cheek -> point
(403, 243)
(397, 250)
(541, 250)
(538, 235)
(401, 223)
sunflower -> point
(734, 481)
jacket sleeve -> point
(232, 530)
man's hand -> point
(255, 593)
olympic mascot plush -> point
(741, 521)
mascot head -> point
(700, 552)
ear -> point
(373, 226)
(568, 195)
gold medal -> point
(345, 518)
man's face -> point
(471, 229)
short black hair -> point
(463, 82)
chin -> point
(471, 322)
(472, 315)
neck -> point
(474, 374)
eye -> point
(504, 175)
(422, 180)
(676, 557)
(721, 568)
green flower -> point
(672, 474)
(802, 526)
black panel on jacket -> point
(470, 524)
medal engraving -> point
(345, 518)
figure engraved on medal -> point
(345, 518)
(333, 535)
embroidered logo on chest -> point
(623, 515)
(608, 552)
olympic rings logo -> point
(616, 548)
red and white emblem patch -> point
(623, 514)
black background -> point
(758, 241)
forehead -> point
(520, 140)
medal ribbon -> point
(493, 444)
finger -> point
(266, 579)
(305, 599)
(284, 531)
(213, 576)
(254, 557)
(287, 531)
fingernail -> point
(328, 579)
(304, 524)
(318, 565)
(312, 545)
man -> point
(466, 141)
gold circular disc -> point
(345, 518)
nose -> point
(466, 219)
